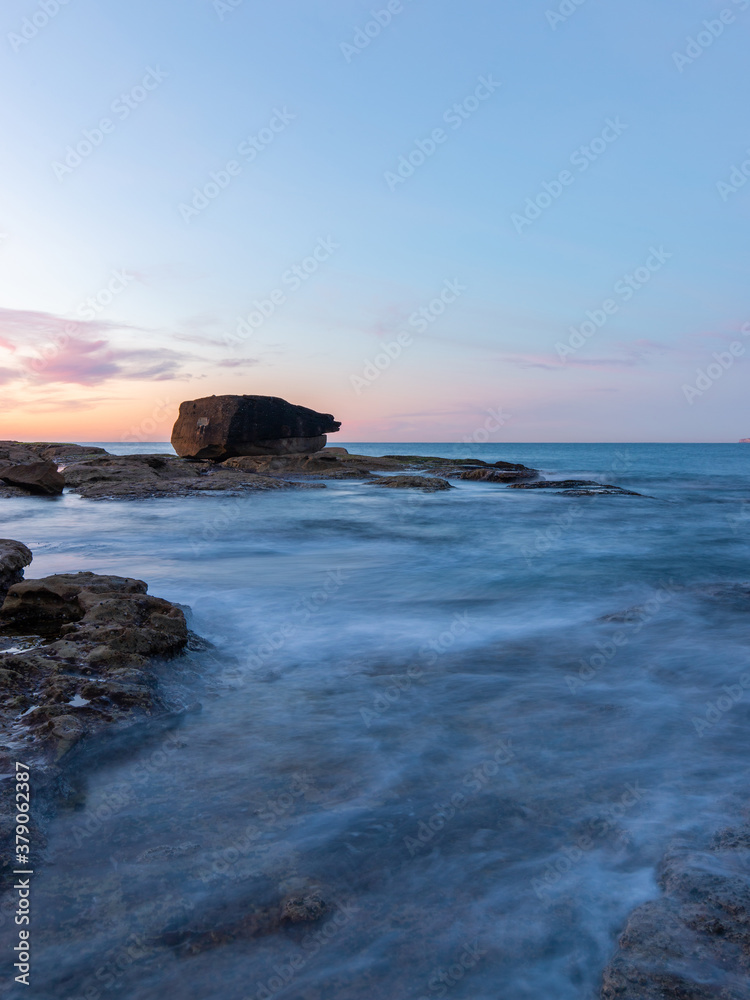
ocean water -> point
(471, 722)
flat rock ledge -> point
(78, 653)
(499, 475)
(33, 467)
(337, 463)
(135, 477)
(93, 473)
(692, 943)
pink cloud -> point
(80, 353)
(91, 362)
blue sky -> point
(187, 88)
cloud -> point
(48, 399)
(30, 326)
(91, 362)
(550, 362)
(80, 353)
(237, 363)
(450, 412)
(639, 352)
(206, 329)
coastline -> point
(616, 978)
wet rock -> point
(11, 492)
(102, 633)
(499, 475)
(600, 491)
(134, 477)
(323, 465)
(430, 461)
(558, 484)
(35, 477)
(67, 727)
(166, 852)
(17, 453)
(431, 483)
(95, 642)
(93, 473)
(235, 922)
(693, 943)
(576, 488)
(220, 427)
(61, 453)
(34, 602)
(337, 463)
(13, 557)
(303, 908)
(733, 595)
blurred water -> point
(471, 721)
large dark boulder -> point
(220, 427)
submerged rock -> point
(412, 483)
(220, 427)
(693, 943)
(576, 488)
(303, 908)
(240, 920)
(499, 475)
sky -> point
(516, 221)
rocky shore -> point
(78, 653)
(81, 655)
(46, 469)
(693, 941)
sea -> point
(457, 731)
